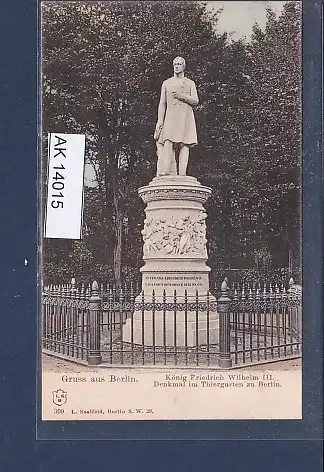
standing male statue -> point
(176, 128)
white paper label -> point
(65, 186)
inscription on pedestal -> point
(151, 281)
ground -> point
(54, 364)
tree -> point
(101, 63)
(275, 127)
(257, 178)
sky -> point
(238, 17)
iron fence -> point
(119, 326)
(265, 323)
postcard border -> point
(310, 426)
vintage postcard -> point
(171, 210)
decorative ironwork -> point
(261, 305)
(66, 302)
(159, 306)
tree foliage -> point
(103, 64)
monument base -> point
(169, 328)
(175, 270)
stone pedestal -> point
(175, 258)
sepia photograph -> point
(170, 193)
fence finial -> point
(224, 286)
(94, 288)
(73, 287)
(291, 282)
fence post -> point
(73, 325)
(296, 312)
(94, 355)
(223, 308)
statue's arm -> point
(192, 98)
(162, 104)
(161, 112)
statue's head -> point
(179, 65)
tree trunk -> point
(118, 232)
(109, 204)
(112, 189)
(118, 250)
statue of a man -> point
(176, 127)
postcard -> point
(170, 222)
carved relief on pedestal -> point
(182, 236)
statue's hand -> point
(176, 95)
(158, 130)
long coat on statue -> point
(177, 115)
